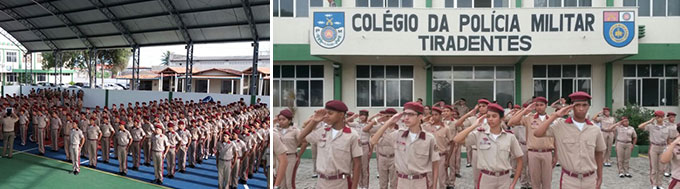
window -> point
(651, 84)
(11, 77)
(476, 3)
(41, 77)
(473, 82)
(655, 7)
(384, 85)
(384, 3)
(563, 3)
(298, 85)
(201, 86)
(11, 56)
(294, 8)
(555, 81)
(230, 86)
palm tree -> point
(165, 58)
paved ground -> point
(639, 170)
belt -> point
(333, 177)
(157, 151)
(577, 175)
(364, 143)
(494, 173)
(411, 177)
(122, 145)
(658, 144)
(387, 156)
(523, 143)
(606, 131)
(442, 153)
(227, 160)
(172, 146)
(92, 139)
(291, 153)
(622, 141)
(7, 131)
(540, 150)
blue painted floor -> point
(202, 176)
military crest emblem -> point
(619, 27)
(329, 29)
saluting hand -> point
(480, 120)
(318, 115)
(395, 117)
(564, 111)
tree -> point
(165, 58)
(116, 59)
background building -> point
(306, 77)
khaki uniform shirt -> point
(55, 123)
(605, 122)
(225, 151)
(334, 154)
(385, 145)
(675, 162)
(76, 136)
(8, 123)
(173, 138)
(106, 129)
(442, 135)
(414, 157)
(123, 137)
(493, 154)
(93, 132)
(625, 134)
(185, 137)
(532, 122)
(137, 134)
(575, 148)
(159, 142)
(289, 137)
(658, 134)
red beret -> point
(624, 118)
(670, 114)
(363, 111)
(496, 108)
(227, 132)
(516, 106)
(390, 111)
(436, 109)
(122, 122)
(525, 105)
(171, 124)
(336, 105)
(485, 101)
(606, 108)
(541, 99)
(579, 96)
(448, 107)
(180, 122)
(382, 111)
(350, 113)
(159, 126)
(417, 107)
(658, 113)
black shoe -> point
(42, 154)
(628, 175)
(75, 173)
(241, 181)
(181, 171)
(449, 187)
(124, 174)
(512, 175)
(250, 175)
(160, 182)
(468, 165)
(171, 176)
(154, 181)
(199, 162)
(458, 175)
(147, 164)
(135, 168)
(621, 175)
(192, 166)
(107, 161)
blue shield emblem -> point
(329, 29)
(619, 27)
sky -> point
(151, 56)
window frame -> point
(495, 79)
(574, 79)
(651, 9)
(16, 56)
(384, 79)
(472, 4)
(278, 13)
(384, 4)
(295, 79)
(562, 4)
(639, 85)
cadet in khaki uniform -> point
(8, 135)
(67, 136)
(173, 142)
(672, 155)
(55, 124)
(42, 124)
(384, 150)
(494, 147)
(626, 137)
(672, 134)
(289, 136)
(466, 121)
(364, 137)
(415, 150)
(185, 137)
(580, 145)
(107, 131)
(225, 160)
(77, 140)
(282, 162)
(159, 146)
(93, 136)
(605, 119)
(443, 136)
(454, 160)
(138, 136)
(123, 140)
(520, 132)
(339, 150)
(658, 138)
(539, 149)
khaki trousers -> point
(656, 168)
(623, 151)
(540, 169)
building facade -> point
(16, 68)
(620, 51)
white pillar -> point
(176, 81)
(160, 83)
(208, 88)
(240, 89)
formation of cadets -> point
(176, 131)
(420, 147)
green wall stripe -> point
(518, 3)
(170, 95)
(428, 3)
(338, 3)
(608, 78)
(337, 82)
(518, 80)
(428, 82)
(293, 52)
(106, 98)
(657, 52)
(610, 3)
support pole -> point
(189, 66)
(254, 72)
